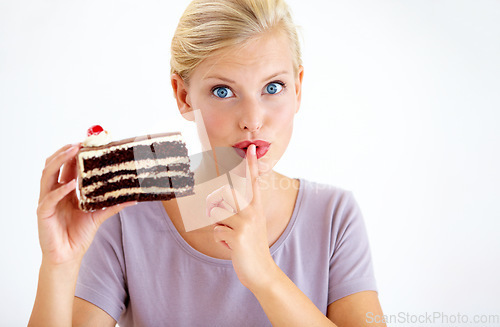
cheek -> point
(216, 124)
(283, 116)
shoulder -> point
(330, 208)
(321, 196)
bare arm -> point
(87, 314)
(358, 309)
(286, 305)
(56, 289)
(56, 305)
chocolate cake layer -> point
(164, 184)
(133, 197)
(146, 168)
(154, 170)
(141, 152)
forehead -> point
(262, 55)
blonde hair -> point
(208, 26)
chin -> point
(266, 165)
(264, 170)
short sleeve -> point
(101, 280)
(351, 268)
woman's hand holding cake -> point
(65, 231)
(65, 234)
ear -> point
(181, 96)
(298, 87)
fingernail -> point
(253, 149)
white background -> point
(401, 105)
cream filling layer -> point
(135, 190)
(93, 153)
(95, 186)
(134, 165)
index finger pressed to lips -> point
(253, 174)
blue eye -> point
(222, 92)
(274, 87)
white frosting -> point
(97, 140)
(135, 165)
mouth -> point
(261, 148)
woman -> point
(295, 256)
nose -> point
(252, 115)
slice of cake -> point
(145, 168)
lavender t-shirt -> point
(142, 272)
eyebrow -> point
(233, 82)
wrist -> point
(55, 294)
(268, 280)
(67, 269)
(285, 304)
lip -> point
(261, 150)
